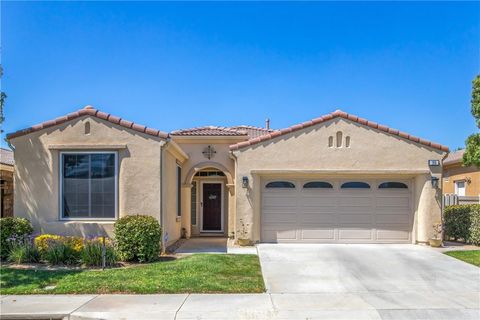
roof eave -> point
(333, 115)
(90, 111)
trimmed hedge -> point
(13, 230)
(138, 238)
(462, 222)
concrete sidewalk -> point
(401, 305)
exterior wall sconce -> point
(434, 181)
(244, 182)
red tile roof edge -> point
(454, 157)
(329, 116)
(191, 131)
(90, 111)
(245, 126)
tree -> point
(476, 99)
(471, 157)
(3, 96)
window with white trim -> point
(193, 205)
(179, 191)
(460, 188)
(88, 185)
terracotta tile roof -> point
(208, 131)
(6, 157)
(90, 111)
(454, 157)
(336, 114)
(253, 132)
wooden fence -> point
(452, 199)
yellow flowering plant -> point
(42, 241)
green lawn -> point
(200, 273)
(469, 256)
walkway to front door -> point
(212, 245)
(212, 207)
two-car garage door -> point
(338, 211)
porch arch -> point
(208, 164)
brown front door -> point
(212, 207)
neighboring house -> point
(6, 182)
(464, 182)
(337, 178)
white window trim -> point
(60, 175)
(178, 187)
(194, 205)
(464, 187)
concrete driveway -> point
(395, 281)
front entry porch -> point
(210, 198)
(212, 245)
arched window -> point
(355, 185)
(339, 139)
(318, 185)
(347, 141)
(280, 184)
(87, 127)
(392, 185)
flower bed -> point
(137, 240)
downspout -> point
(442, 202)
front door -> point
(212, 207)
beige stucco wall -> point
(37, 173)
(371, 152)
(172, 224)
(193, 147)
(458, 172)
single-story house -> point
(334, 179)
(459, 180)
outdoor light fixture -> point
(245, 182)
(433, 163)
(434, 182)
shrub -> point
(61, 252)
(43, 241)
(92, 253)
(23, 252)
(474, 236)
(138, 238)
(462, 222)
(75, 242)
(13, 229)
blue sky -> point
(176, 65)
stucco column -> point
(428, 209)
(244, 209)
(231, 209)
(256, 188)
(186, 209)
